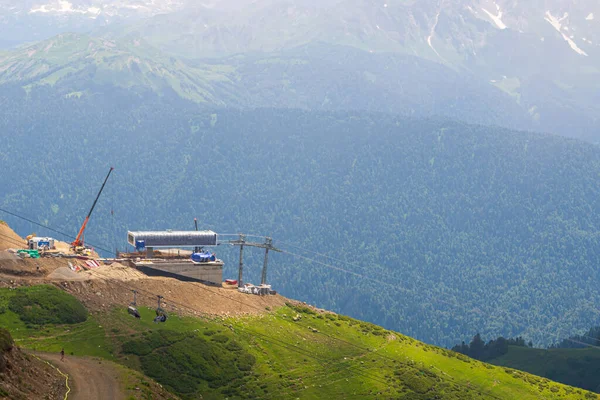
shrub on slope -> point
(187, 363)
(41, 305)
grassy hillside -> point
(576, 367)
(308, 77)
(79, 64)
(312, 75)
(292, 352)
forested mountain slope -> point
(453, 228)
(576, 367)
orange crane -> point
(77, 245)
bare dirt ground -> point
(89, 379)
(110, 285)
(9, 239)
(183, 298)
(25, 377)
(97, 379)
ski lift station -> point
(177, 254)
(170, 239)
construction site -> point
(159, 262)
(102, 283)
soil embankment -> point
(25, 377)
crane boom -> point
(79, 240)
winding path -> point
(89, 379)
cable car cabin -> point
(161, 316)
(133, 311)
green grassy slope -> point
(79, 62)
(309, 77)
(576, 367)
(290, 352)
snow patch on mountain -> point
(430, 37)
(590, 17)
(94, 8)
(557, 24)
(65, 7)
(496, 18)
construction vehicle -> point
(78, 244)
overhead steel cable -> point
(263, 337)
(49, 228)
(347, 271)
(182, 306)
(395, 287)
(409, 291)
(12, 240)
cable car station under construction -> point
(155, 255)
(182, 255)
(175, 254)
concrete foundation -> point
(211, 273)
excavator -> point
(77, 245)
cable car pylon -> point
(267, 245)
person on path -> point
(62, 354)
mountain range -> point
(540, 60)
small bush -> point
(186, 362)
(303, 309)
(246, 362)
(220, 338)
(6, 341)
(233, 346)
(40, 305)
(137, 347)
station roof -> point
(173, 238)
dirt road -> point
(88, 379)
